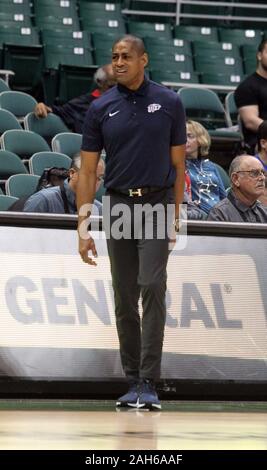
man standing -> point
(248, 184)
(251, 99)
(141, 125)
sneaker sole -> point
(126, 405)
(149, 406)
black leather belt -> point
(137, 192)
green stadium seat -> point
(3, 86)
(240, 36)
(61, 55)
(215, 64)
(8, 121)
(46, 127)
(21, 185)
(43, 160)
(66, 38)
(17, 102)
(204, 106)
(10, 164)
(221, 79)
(172, 76)
(23, 143)
(196, 33)
(231, 109)
(6, 202)
(68, 143)
(145, 30)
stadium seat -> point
(219, 65)
(173, 76)
(3, 86)
(21, 185)
(23, 143)
(196, 33)
(144, 29)
(229, 79)
(224, 176)
(240, 36)
(6, 202)
(66, 38)
(231, 109)
(204, 106)
(10, 164)
(42, 160)
(8, 121)
(46, 127)
(68, 143)
(18, 103)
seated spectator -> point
(248, 184)
(206, 183)
(251, 99)
(61, 199)
(73, 112)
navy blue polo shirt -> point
(136, 129)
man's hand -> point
(84, 247)
(41, 110)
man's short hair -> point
(262, 44)
(136, 42)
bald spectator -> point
(73, 112)
(247, 185)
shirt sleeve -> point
(92, 135)
(178, 130)
(246, 95)
(36, 203)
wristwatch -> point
(176, 224)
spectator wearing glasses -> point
(247, 185)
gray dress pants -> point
(138, 267)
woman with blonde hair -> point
(206, 184)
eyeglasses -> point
(253, 173)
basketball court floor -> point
(82, 424)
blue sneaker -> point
(130, 399)
(148, 398)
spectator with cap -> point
(248, 184)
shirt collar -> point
(241, 205)
(141, 91)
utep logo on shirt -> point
(153, 107)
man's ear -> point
(145, 59)
(235, 179)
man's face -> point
(128, 65)
(250, 178)
(262, 58)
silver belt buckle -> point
(135, 192)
